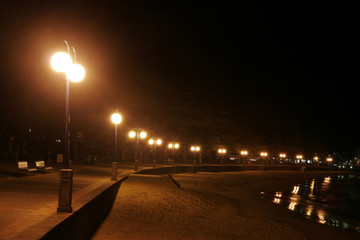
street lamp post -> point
(299, 157)
(62, 62)
(329, 160)
(264, 156)
(138, 133)
(244, 153)
(316, 159)
(282, 156)
(222, 152)
(173, 146)
(116, 119)
(155, 142)
(195, 149)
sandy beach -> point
(211, 206)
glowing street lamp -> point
(173, 146)
(195, 149)
(329, 159)
(139, 134)
(299, 157)
(62, 62)
(264, 155)
(155, 142)
(282, 156)
(116, 119)
(222, 152)
(243, 154)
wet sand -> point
(211, 206)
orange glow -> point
(132, 134)
(75, 72)
(222, 150)
(263, 154)
(143, 135)
(244, 152)
(195, 148)
(282, 155)
(116, 118)
(60, 61)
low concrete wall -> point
(83, 223)
(228, 168)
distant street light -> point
(116, 119)
(155, 142)
(222, 152)
(244, 153)
(282, 156)
(316, 159)
(329, 160)
(173, 146)
(299, 157)
(195, 149)
(138, 133)
(264, 156)
(62, 62)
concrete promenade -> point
(28, 203)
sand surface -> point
(211, 206)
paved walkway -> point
(27, 200)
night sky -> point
(256, 74)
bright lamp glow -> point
(75, 72)
(170, 145)
(197, 148)
(132, 134)
(60, 61)
(143, 135)
(177, 145)
(263, 154)
(151, 141)
(116, 118)
(158, 142)
(244, 152)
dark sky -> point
(264, 74)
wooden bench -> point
(41, 166)
(23, 166)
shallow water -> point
(333, 200)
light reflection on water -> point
(333, 200)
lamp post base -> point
(65, 190)
(114, 171)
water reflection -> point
(332, 200)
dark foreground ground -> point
(211, 206)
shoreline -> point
(212, 206)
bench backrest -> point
(40, 164)
(23, 165)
